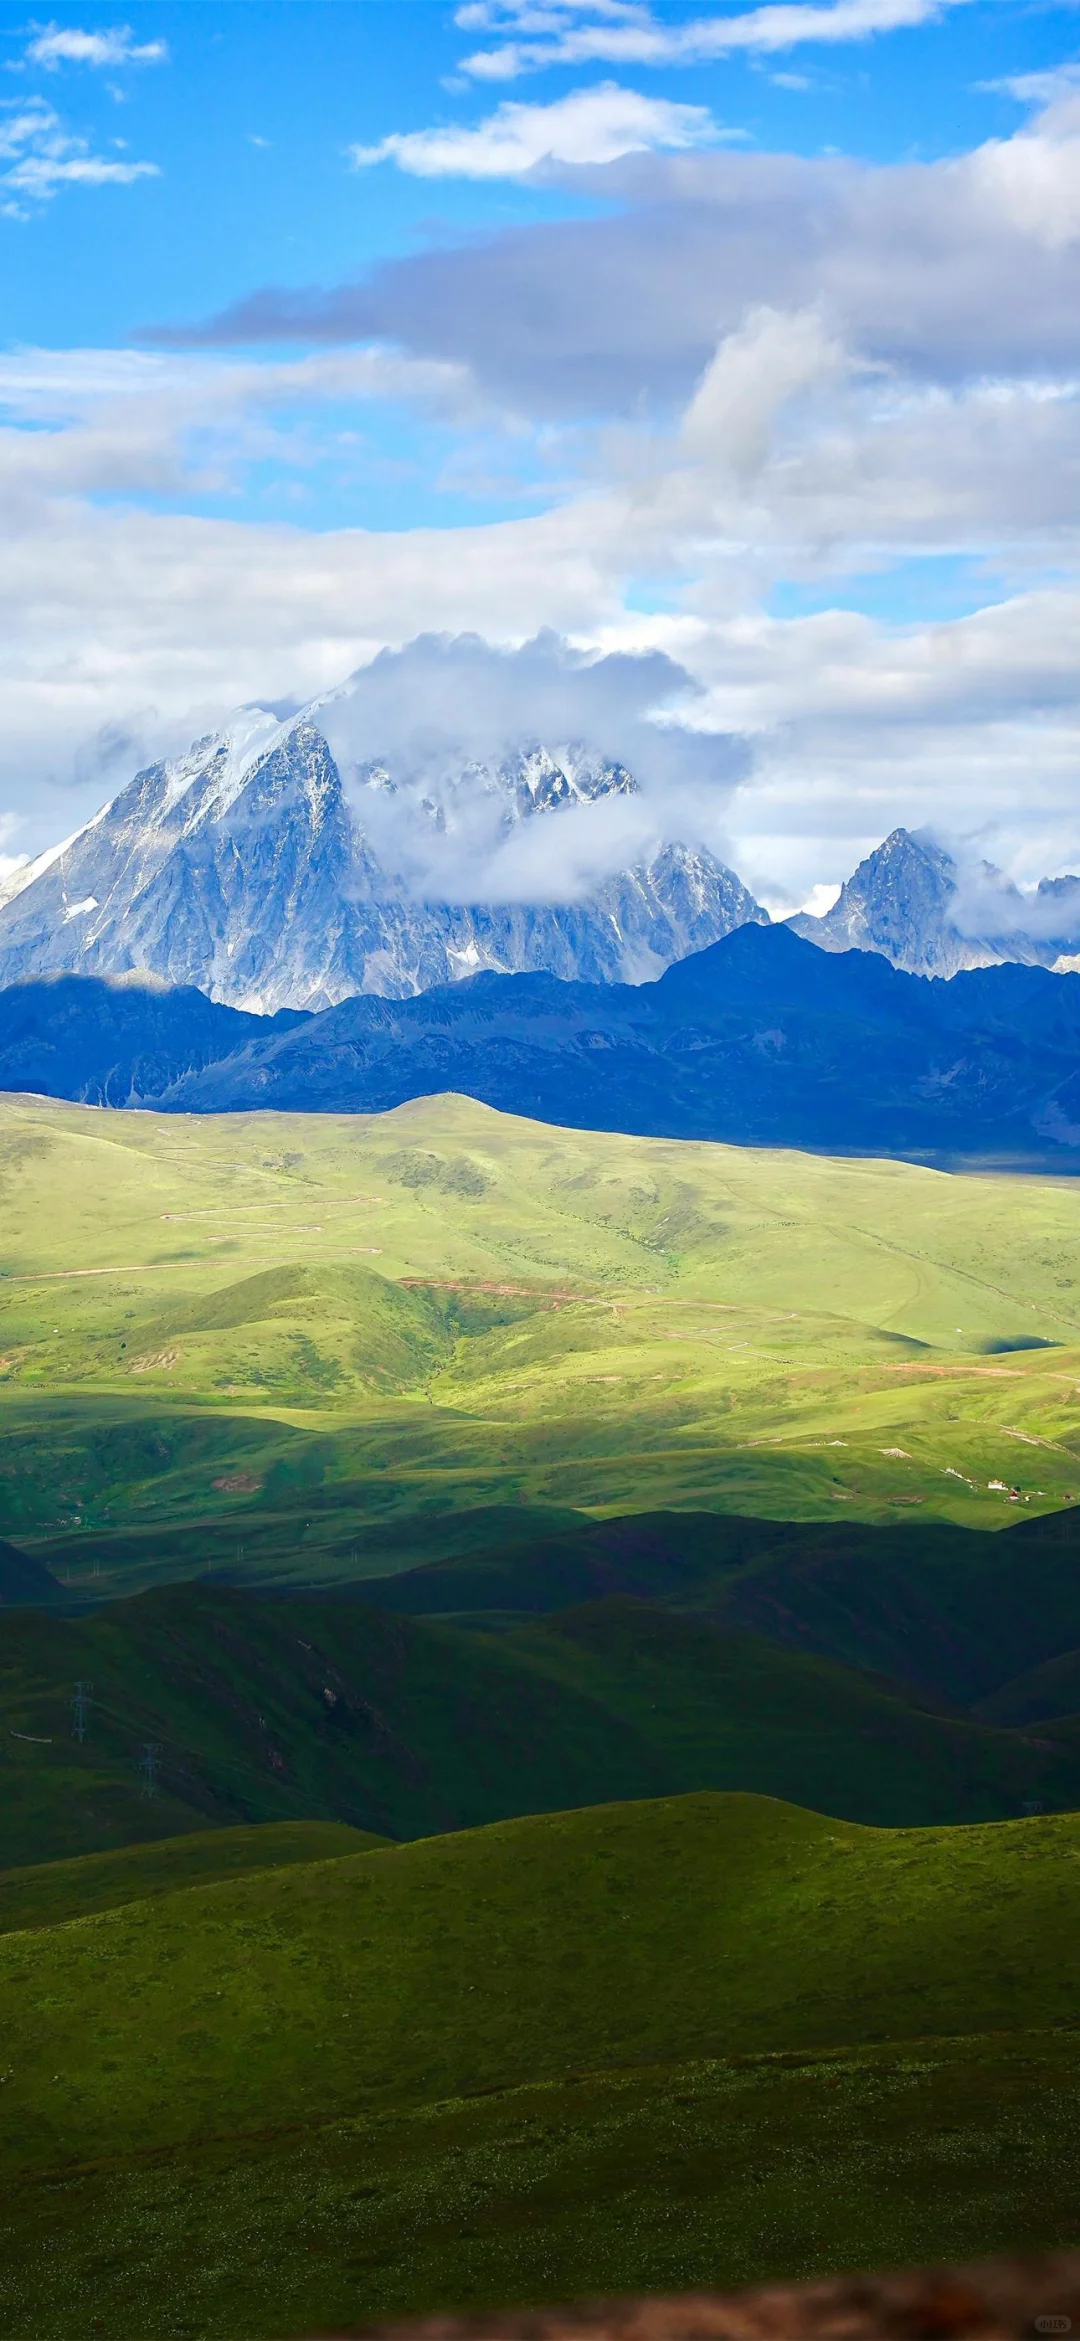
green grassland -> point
(308, 1712)
(306, 1348)
(696, 1437)
(52, 1891)
(693, 2040)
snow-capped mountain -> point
(242, 868)
(910, 901)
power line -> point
(79, 1707)
(148, 1764)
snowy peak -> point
(241, 868)
(213, 777)
(541, 779)
(898, 902)
(911, 902)
(532, 780)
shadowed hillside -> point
(751, 2039)
(263, 1709)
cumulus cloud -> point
(54, 45)
(756, 371)
(971, 726)
(158, 624)
(575, 32)
(1030, 184)
(588, 126)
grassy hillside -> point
(1039, 1693)
(52, 1891)
(950, 1611)
(720, 2171)
(730, 1710)
(268, 1710)
(395, 1978)
(294, 1348)
(752, 2041)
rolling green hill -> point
(395, 1978)
(270, 1710)
(730, 1710)
(52, 1891)
(1041, 1692)
(949, 1611)
(295, 1349)
(682, 2041)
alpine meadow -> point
(540, 1171)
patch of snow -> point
(252, 733)
(23, 875)
(78, 910)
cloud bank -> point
(741, 394)
(945, 271)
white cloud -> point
(587, 127)
(757, 370)
(1036, 89)
(443, 711)
(854, 370)
(54, 45)
(42, 156)
(127, 422)
(1031, 182)
(118, 626)
(590, 32)
(964, 267)
(821, 898)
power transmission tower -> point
(148, 1764)
(79, 1708)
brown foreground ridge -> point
(993, 2300)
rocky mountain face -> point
(909, 901)
(242, 869)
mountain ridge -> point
(909, 901)
(247, 868)
(242, 868)
(760, 1039)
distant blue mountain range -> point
(762, 1039)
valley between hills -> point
(576, 1776)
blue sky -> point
(310, 81)
(748, 335)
